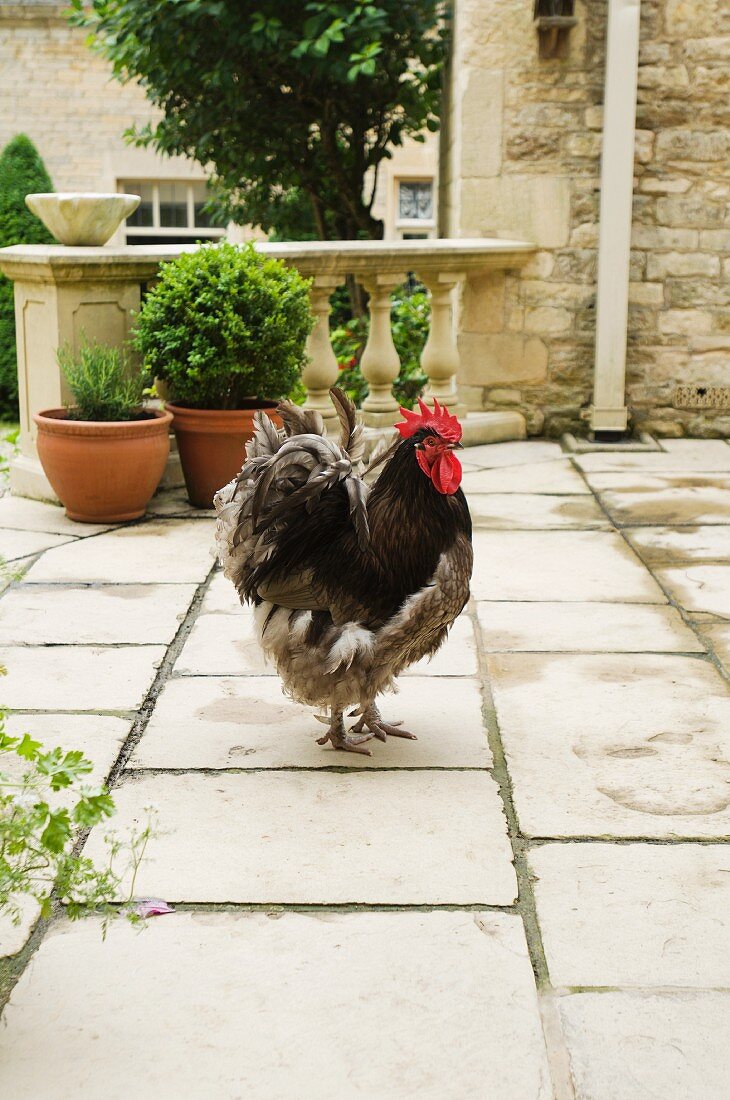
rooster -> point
(351, 583)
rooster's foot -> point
(341, 740)
(372, 719)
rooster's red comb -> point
(440, 421)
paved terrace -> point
(531, 901)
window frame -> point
(426, 226)
(156, 230)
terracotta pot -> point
(103, 472)
(212, 446)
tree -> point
(283, 99)
(22, 172)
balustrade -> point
(63, 292)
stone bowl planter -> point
(103, 472)
(82, 219)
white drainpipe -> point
(608, 412)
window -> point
(171, 212)
(415, 216)
(415, 200)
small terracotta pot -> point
(103, 472)
(212, 446)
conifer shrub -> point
(22, 173)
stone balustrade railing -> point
(65, 294)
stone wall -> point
(522, 157)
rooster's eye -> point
(430, 441)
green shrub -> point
(104, 385)
(21, 173)
(225, 325)
(409, 321)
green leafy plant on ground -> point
(410, 313)
(104, 385)
(225, 327)
(21, 173)
(38, 859)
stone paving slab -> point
(679, 498)
(226, 644)
(174, 502)
(631, 1046)
(671, 545)
(537, 477)
(524, 452)
(586, 627)
(514, 511)
(249, 723)
(559, 565)
(78, 678)
(146, 613)
(100, 739)
(171, 552)
(614, 744)
(22, 544)
(397, 1005)
(24, 514)
(681, 455)
(388, 837)
(634, 914)
(700, 587)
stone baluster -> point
(321, 372)
(440, 356)
(380, 364)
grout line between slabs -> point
(555, 1046)
(708, 651)
(12, 969)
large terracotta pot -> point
(103, 472)
(212, 446)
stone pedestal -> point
(64, 297)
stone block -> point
(51, 615)
(646, 294)
(176, 551)
(685, 322)
(655, 186)
(557, 477)
(584, 627)
(626, 745)
(548, 321)
(82, 678)
(692, 145)
(634, 916)
(692, 18)
(676, 545)
(662, 237)
(686, 498)
(298, 837)
(662, 264)
(534, 208)
(501, 358)
(534, 511)
(632, 1043)
(531, 565)
(251, 1017)
(703, 588)
(482, 303)
(481, 123)
(247, 722)
(689, 212)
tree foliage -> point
(223, 325)
(278, 95)
(22, 173)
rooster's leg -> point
(340, 739)
(372, 719)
